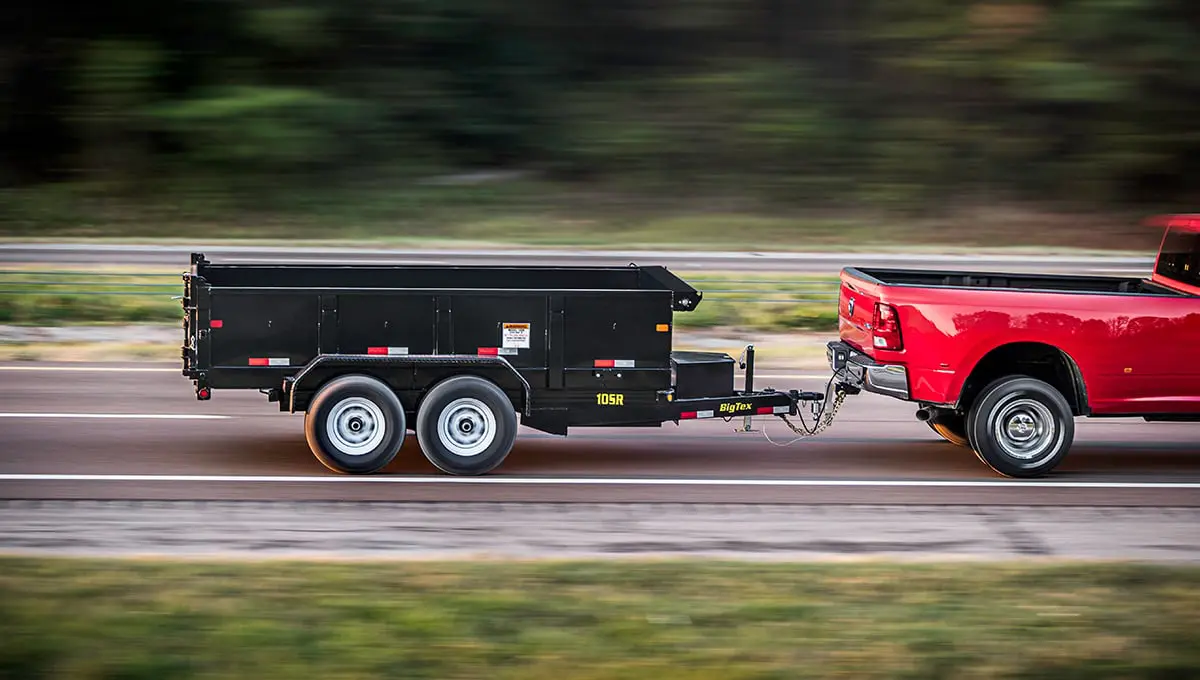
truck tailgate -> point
(856, 311)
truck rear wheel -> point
(952, 428)
(355, 424)
(1021, 427)
(466, 425)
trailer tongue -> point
(369, 352)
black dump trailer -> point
(456, 354)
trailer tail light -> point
(886, 328)
(216, 323)
(614, 363)
(387, 351)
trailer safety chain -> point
(824, 416)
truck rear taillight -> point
(886, 328)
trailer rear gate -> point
(568, 346)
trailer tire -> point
(1021, 427)
(951, 428)
(466, 425)
(355, 424)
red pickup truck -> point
(1003, 363)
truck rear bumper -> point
(860, 371)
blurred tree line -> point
(815, 102)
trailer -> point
(457, 354)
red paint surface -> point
(1137, 354)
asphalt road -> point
(64, 254)
(107, 423)
(126, 461)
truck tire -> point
(355, 424)
(1021, 427)
(466, 425)
(952, 428)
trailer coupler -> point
(822, 407)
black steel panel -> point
(620, 326)
(327, 334)
(556, 342)
(445, 326)
(479, 319)
(387, 320)
(265, 325)
(702, 374)
(647, 380)
(431, 277)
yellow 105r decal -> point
(610, 399)
(734, 408)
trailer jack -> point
(823, 407)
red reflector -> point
(216, 323)
(260, 362)
(377, 350)
(688, 415)
(765, 409)
(609, 363)
(489, 351)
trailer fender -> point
(304, 376)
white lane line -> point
(120, 416)
(95, 369)
(594, 481)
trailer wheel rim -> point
(356, 426)
(1025, 429)
(466, 427)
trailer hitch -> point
(822, 407)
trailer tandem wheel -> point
(466, 425)
(355, 424)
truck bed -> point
(1027, 282)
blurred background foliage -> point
(225, 107)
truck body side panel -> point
(1137, 352)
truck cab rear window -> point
(1180, 257)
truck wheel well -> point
(1036, 360)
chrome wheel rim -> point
(466, 427)
(1025, 429)
(356, 426)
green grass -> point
(757, 302)
(663, 620)
(92, 296)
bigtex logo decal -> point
(610, 399)
(733, 408)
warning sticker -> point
(514, 335)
